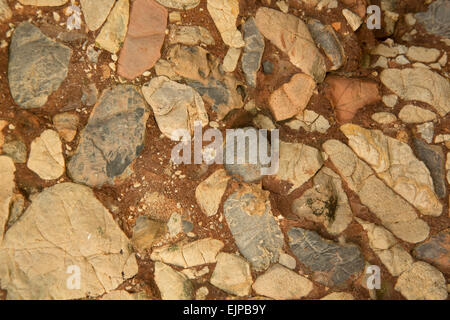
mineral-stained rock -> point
(5, 11)
(253, 51)
(113, 32)
(332, 264)
(145, 37)
(395, 213)
(436, 250)
(95, 12)
(65, 232)
(395, 163)
(66, 124)
(37, 66)
(232, 274)
(281, 283)
(413, 114)
(190, 35)
(209, 192)
(180, 4)
(172, 284)
(175, 106)
(145, 232)
(7, 169)
(113, 137)
(347, 96)
(224, 14)
(254, 228)
(16, 150)
(291, 35)
(437, 18)
(419, 84)
(422, 282)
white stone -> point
(384, 117)
(231, 59)
(353, 19)
(209, 192)
(224, 14)
(426, 55)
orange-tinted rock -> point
(347, 96)
(145, 37)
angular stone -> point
(412, 114)
(112, 139)
(145, 232)
(353, 19)
(5, 11)
(224, 14)
(46, 157)
(67, 125)
(332, 264)
(90, 93)
(95, 12)
(394, 162)
(291, 35)
(145, 37)
(16, 150)
(232, 275)
(7, 185)
(180, 4)
(310, 121)
(437, 18)
(254, 228)
(419, 84)
(384, 117)
(292, 97)
(113, 32)
(175, 106)
(426, 55)
(190, 35)
(436, 250)
(395, 213)
(281, 283)
(37, 66)
(231, 59)
(209, 192)
(64, 230)
(173, 285)
(253, 51)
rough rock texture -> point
(232, 274)
(145, 37)
(67, 125)
(254, 228)
(253, 51)
(395, 163)
(113, 137)
(332, 264)
(395, 213)
(37, 66)
(113, 32)
(172, 284)
(291, 35)
(7, 185)
(180, 4)
(224, 14)
(65, 226)
(95, 12)
(413, 114)
(145, 232)
(5, 11)
(190, 35)
(437, 18)
(436, 250)
(210, 191)
(309, 121)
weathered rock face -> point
(145, 232)
(190, 35)
(395, 213)
(7, 169)
(253, 51)
(254, 228)
(172, 284)
(210, 191)
(224, 14)
(95, 12)
(113, 32)
(395, 163)
(37, 66)
(332, 264)
(175, 106)
(145, 37)
(282, 284)
(180, 4)
(113, 137)
(436, 250)
(437, 18)
(291, 35)
(64, 231)
(419, 84)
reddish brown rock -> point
(145, 37)
(347, 96)
(436, 251)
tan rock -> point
(67, 125)
(7, 185)
(338, 296)
(145, 232)
(209, 192)
(232, 274)
(224, 14)
(95, 12)
(172, 284)
(412, 114)
(5, 11)
(43, 3)
(384, 117)
(353, 19)
(190, 35)
(426, 55)
(113, 32)
(231, 59)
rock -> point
(175, 225)
(209, 192)
(390, 100)
(224, 14)
(180, 4)
(385, 50)
(231, 59)
(282, 284)
(292, 97)
(332, 264)
(353, 19)
(174, 17)
(120, 295)
(325, 203)
(394, 162)
(90, 93)
(7, 185)
(201, 293)
(338, 296)
(190, 35)
(291, 36)
(437, 18)
(426, 131)
(310, 121)
(46, 157)
(253, 51)
(175, 106)
(112, 139)
(419, 84)
(65, 229)
(67, 125)
(145, 37)
(189, 255)
(3, 124)
(422, 282)
(267, 67)
(436, 250)
(173, 285)
(384, 117)
(298, 163)
(95, 12)
(16, 210)
(412, 114)
(43, 3)
(421, 54)
(263, 122)
(232, 275)
(287, 261)
(113, 32)
(348, 95)
(434, 159)
(5, 11)
(255, 230)
(37, 66)
(164, 68)
(326, 38)
(395, 213)
(145, 232)
(16, 150)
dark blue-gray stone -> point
(253, 51)
(436, 19)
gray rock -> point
(16, 150)
(37, 66)
(268, 67)
(437, 18)
(333, 264)
(90, 93)
(113, 137)
(436, 250)
(253, 51)
(254, 228)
